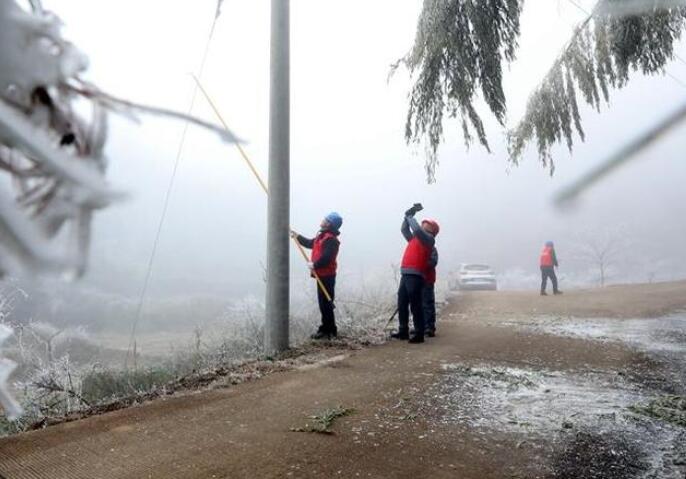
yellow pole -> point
(260, 181)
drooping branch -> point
(603, 52)
(458, 54)
(461, 45)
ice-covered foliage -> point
(458, 52)
(604, 50)
(461, 45)
(54, 157)
(66, 371)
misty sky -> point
(348, 152)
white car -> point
(476, 276)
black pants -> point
(429, 304)
(548, 272)
(326, 307)
(410, 298)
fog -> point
(348, 154)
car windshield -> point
(476, 267)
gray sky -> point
(348, 152)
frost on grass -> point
(667, 408)
(64, 375)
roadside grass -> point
(56, 388)
(670, 409)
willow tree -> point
(461, 47)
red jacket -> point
(416, 256)
(317, 252)
(548, 257)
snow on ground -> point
(577, 412)
(666, 334)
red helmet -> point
(433, 226)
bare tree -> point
(602, 249)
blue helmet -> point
(549, 244)
(335, 220)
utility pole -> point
(278, 204)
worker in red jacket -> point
(548, 262)
(413, 269)
(325, 248)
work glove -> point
(294, 234)
(415, 208)
(310, 265)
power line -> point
(573, 2)
(579, 7)
(626, 153)
(676, 79)
(680, 59)
(591, 14)
(167, 197)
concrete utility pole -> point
(278, 205)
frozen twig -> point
(127, 106)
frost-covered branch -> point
(603, 52)
(461, 46)
(55, 157)
(127, 107)
(458, 53)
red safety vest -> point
(416, 256)
(547, 257)
(317, 250)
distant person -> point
(548, 265)
(420, 242)
(325, 248)
(429, 294)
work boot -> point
(431, 333)
(557, 292)
(320, 335)
(543, 293)
(401, 335)
(415, 339)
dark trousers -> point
(410, 299)
(326, 307)
(429, 302)
(548, 272)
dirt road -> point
(452, 407)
